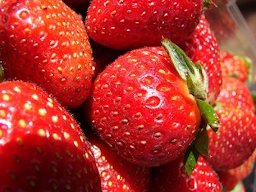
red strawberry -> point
(232, 177)
(203, 49)
(143, 109)
(118, 175)
(129, 24)
(42, 147)
(46, 42)
(235, 140)
(235, 66)
(172, 178)
(235, 92)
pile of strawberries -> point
(120, 95)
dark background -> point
(248, 8)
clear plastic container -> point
(232, 30)
(233, 34)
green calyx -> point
(193, 74)
(208, 3)
(197, 82)
(252, 88)
(248, 63)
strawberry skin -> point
(235, 140)
(143, 109)
(203, 49)
(172, 178)
(117, 174)
(42, 148)
(129, 24)
(234, 66)
(232, 177)
(235, 92)
(45, 42)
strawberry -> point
(128, 24)
(171, 177)
(232, 177)
(235, 140)
(46, 42)
(235, 92)
(203, 49)
(42, 148)
(235, 66)
(118, 175)
(143, 109)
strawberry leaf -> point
(190, 160)
(202, 142)
(178, 58)
(208, 114)
(194, 74)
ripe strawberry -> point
(236, 92)
(42, 147)
(203, 49)
(232, 177)
(235, 140)
(171, 177)
(143, 109)
(235, 66)
(46, 42)
(127, 24)
(118, 175)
